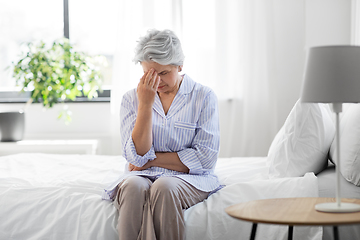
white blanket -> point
(47, 196)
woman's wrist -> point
(143, 106)
(169, 160)
(150, 163)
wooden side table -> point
(292, 212)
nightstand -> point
(292, 212)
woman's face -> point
(170, 78)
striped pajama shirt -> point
(190, 128)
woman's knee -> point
(136, 183)
(134, 187)
(165, 186)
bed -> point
(54, 196)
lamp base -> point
(335, 208)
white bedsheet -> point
(47, 196)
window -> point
(92, 30)
(22, 21)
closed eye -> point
(163, 73)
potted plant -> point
(57, 73)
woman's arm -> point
(203, 153)
(142, 132)
(168, 160)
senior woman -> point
(170, 139)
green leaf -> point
(56, 72)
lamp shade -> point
(332, 75)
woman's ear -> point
(180, 68)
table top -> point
(292, 211)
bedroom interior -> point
(296, 26)
(272, 145)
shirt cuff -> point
(132, 157)
(190, 160)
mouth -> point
(160, 87)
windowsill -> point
(23, 97)
(79, 146)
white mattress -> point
(47, 196)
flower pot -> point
(12, 125)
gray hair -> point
(162, 47)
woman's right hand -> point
(146, 92)
(147, 87)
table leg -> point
(290, 235)
(253, 231)
(336, 233)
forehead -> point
(158, 67)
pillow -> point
(302, 144)
(349, 144)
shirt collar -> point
(186, 86)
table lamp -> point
(332, 75)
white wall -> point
(328, 22)
(298, 25)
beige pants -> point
(154, 210)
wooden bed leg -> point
(290, 234)
(253, 231)
(336, 233)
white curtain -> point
(355, 22)
(228, 45)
